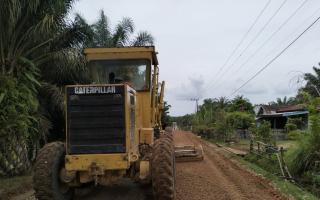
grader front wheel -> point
(47, 184)
(163, 169)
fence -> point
(266, 150)
(279, 134)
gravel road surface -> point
(218, 178)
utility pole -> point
(197, 103)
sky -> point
(195, 39)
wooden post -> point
(285, 165)
(280, 165)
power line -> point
(276, 57)
(251, 42)
(273, 34)
(244, 37)
(291, 34)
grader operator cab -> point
(113, 129)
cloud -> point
(283, 90)
(193, 89)
(252, 88)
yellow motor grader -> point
(113, 129)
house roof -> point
(285, 111)
(283, 114)
(287, 114)
(292, 108)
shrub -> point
(291, 127)
(199, 129)
(305, 156)
(223, 130)
(240, 120)
(295, 135)
(294, 124)
(264, 132)
(19, 124)
(204, 131)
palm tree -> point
(37, 47)
(241, 104)
(313, 82)
(222, 102)
(284, 102)
(40, 52)
(102, 35)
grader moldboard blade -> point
(189, 153)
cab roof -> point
(144, 52)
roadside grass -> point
(287, 144)
(244, 144)
(15, 185)
(284, 186)
(268, 167)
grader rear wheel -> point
(47, 184)
(163, 169)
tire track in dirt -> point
(217, 177)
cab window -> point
(135, 73)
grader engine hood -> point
(95, 119)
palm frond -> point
(102, 31)
(123, 30)
(143, 39)
(86, 29)
(68, 67)
(54, 96)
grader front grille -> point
(95, 119)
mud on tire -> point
(163, 169)
(46, 181)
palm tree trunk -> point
(14, 158)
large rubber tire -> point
(167, 135)
(163, 169)
(46, 179)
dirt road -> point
(218, 178)
(214, 178)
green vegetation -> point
(40, 53)
(284, 102)
(219, 118)
(313, 82)
(304, 161)
(240, 120)
(286, 187)
(35, 50)
(296, 135)
(165, 118)
(302, 157)
(294, 124)
(19, 122)
(263, 132)
(100, 34)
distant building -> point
(278, 115)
